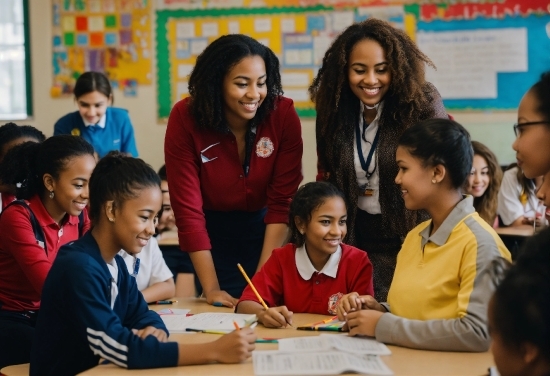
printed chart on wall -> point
(108, 36)
(478, 47)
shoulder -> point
(285, 251)
(117, 113)
(180, 114)
(481, 237)
(350, 251)
(68, 118)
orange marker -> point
(236, 325)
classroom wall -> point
(492, 128)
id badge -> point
(365, 190)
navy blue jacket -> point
(76, 325)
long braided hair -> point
(409, 99)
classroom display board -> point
(109, 36)
(488, 53)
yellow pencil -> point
(255, 291)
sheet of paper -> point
(327, 342)
(267, 363)
(184, 70)
(173, 311)
(262, 25)
(288, 25)
(185, 30)
(222, 322)
(295, 79)
(210, 29)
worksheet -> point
(207, 322)
(327, 342)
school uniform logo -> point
(75, 132)
(333, 302)
(264, 147)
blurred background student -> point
(484, 182)
(53, 178)
(106, 128)
(12, 135)
(517, 201)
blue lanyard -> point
(365, 165)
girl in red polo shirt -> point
(12, 135)
(52, 179)
(312, 273)
(233, 153)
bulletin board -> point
(301, 32)
(108, 36)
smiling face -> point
(70, 188)
(414, 179)
(368, 72)
(134, 222)
(167, 221)
(92, 106)
(531, 144)
(244, 89)
(325, 230)
(478, 180)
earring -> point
(434, 181)
(301, 232)
(111, 219)
(51, 194)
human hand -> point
(151, 331)
(275, 317)
(362, 322)
(235, 347)
(220, 296)
(353, 302)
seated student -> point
(106, 128)
(153, 277)
(91, 307)
(445, 273)
(519, 313)
(311, 275)
(12, 135)
(517, 201)
(54, 186)
(484, 182)
(178, 261)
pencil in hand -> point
(256, 291)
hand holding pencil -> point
(274, 317)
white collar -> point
(306, 268)
(100, 123)
(378, 110)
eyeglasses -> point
(518, 125)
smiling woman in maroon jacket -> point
(233, 154)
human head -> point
(519, 312)
(34, 167)
(212, 65)
(167, 220)
(484, 181)
(543, 193)
(307, 199)
(432, 153)
(12, 134)
(533, 138)
(93, 94)
(331, 86)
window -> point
(15, 77)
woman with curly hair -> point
(233, 153)
(369, 89)
(484, 183)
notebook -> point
(210, 321)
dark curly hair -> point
(206, 80)
(118, 177)
(25, 165)
(542, 91)
(10, 132)
(336, 104)
(308, 198)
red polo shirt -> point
(23, 263)
(279, 282)
(204, 170)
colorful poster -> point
(109, 36)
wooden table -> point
(168, 238)
(522, 230)
(402, 361)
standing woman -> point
(233, 153)
(54, 179)
(106, 128)
(369, 89)
(484, 183)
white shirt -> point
(152, 268)
(306, 268)
(100, 123)
(370, 204)
(113, 269)
(510, 207)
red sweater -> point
(204, 171)
(23, 263)
(279, 282)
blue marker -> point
(217, 304)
